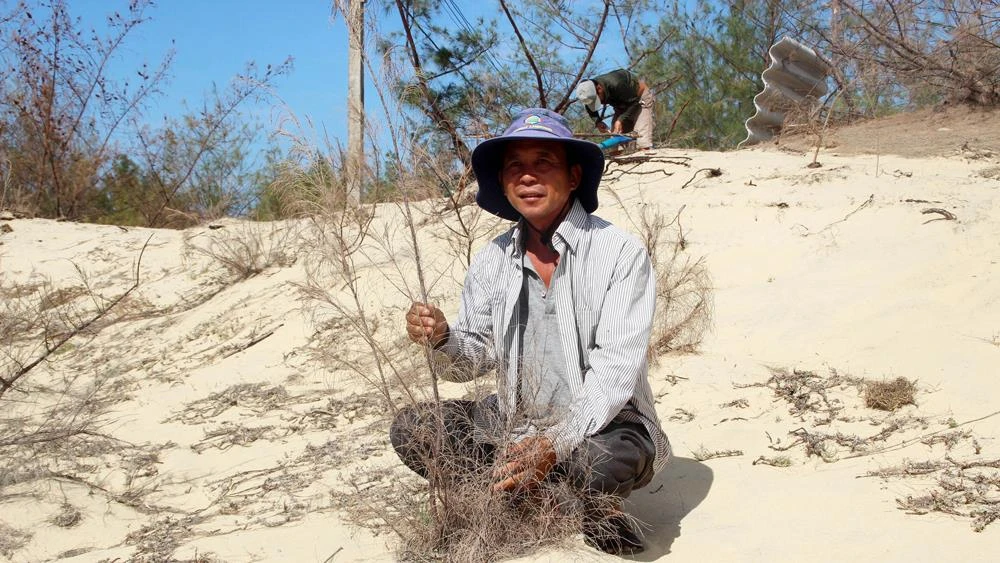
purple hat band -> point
(535, 123)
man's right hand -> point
(425, 324)
(601, 127)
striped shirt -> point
(605, 296)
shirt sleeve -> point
(618, 359)
(469, 343)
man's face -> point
(537, 180)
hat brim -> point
(488, 156)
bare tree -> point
(61, 109)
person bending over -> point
(631, 99)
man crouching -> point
(561, 307)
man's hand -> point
(601, 127)
(617, 127)
(527, 463)
(425, 324)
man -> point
(631, 99)
(561, 306)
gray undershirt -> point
(544, 395)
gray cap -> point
(586, 92)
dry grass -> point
(889, 395)
(67, 517)
(258, 398)
(683, 285)
(12, 539)
(807, 393)
(245, 248)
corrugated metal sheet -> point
(796, 76)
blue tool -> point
(614, 141)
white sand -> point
(806, 276)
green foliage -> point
(124, 195)
(709, 69)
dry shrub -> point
(12, 539)
(683, 286)
(67, 517)
(480, 525)
(246, 248)
(461, 517)
(889, 395)
(470, 522)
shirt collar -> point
(569, 231)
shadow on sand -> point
(668, 498)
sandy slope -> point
(242, 435)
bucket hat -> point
(535, 124)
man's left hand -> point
(617, 127)
(528, 462)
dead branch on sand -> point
(712, 173)
(945, 215)
(869, 201)
(6, 383)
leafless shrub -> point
(6, 194)
(63, 113)
(246, 248)
(683, 286)
(12, 539)
(489, 527)
(943, 48)
(889, 395)
(52, 421)
(32, 331)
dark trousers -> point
(616, 460)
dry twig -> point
(945, 214)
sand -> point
(225, 422)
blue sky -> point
(214, 39)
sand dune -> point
(223, 420)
